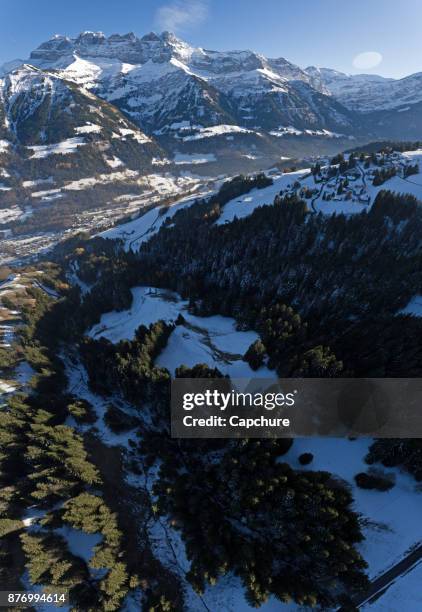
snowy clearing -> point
(44, 194)
(42, 181)
(388, 536)
(6, 387)
(160, 162)
(60, 148)
(101, 178)
(292, 131)
(136, 135)
(114, 162)
(213, 340)
(217, 130)
(10, 214)
(89, 128)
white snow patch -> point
(250, 156)
(136, 135)
(27, 184)
(60, 148)
(6, 387)
(160, 162)
(89, 128)
(388, 534)
(213, 340)
(10, 214)
(45, 193)
(325, 133)
(246, 204)
(182, 159)
(285, 131)
(101, 178)
(217, 130)
(114, 162)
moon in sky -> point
(367, 60)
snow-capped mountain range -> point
(174, 91)
(162, 82)
(368, 92)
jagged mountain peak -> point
(129, 37)
(127, 48)
(151, 36)
(60, 51)
(89, 35)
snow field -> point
(391, 519)
(213, 340)
(60, 148)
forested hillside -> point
(324, 296)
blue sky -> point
(322, 32)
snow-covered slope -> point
(350, 192)
(63, 152)
(388, 538)
(322, 194)
(32, 100)
(368, 92)
(44, 117)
